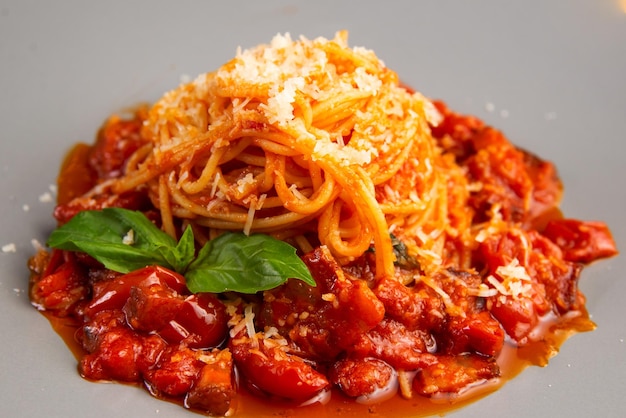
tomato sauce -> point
(449, 338)
(512, 361)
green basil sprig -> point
(246, 264)
(124, 240)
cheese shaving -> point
(9, 248)
(129, 238)
(248, 316)
(515, 281)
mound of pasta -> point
(300, 226)
(297, 138)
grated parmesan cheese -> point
(37, 245)
(254, 206)
(346, 155)
(493, 226)
(129, 238)
(514, 282)
(483, 291)
(279, 108)
(288, 68)
(297, 193)
(216, 181)
(9, 248)
(243, 184)
(249, 219)
(316, 100)
(45, 197)
(248, 317)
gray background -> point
(551, 74)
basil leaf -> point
(101, 234)
(125, 240)
(245, 264)
(403, 258)
(183, 254)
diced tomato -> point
(451, 374)
(200, 322)
(517, 316)
(154, 300)
(90, 334)
(327, 319)
(455, 132)
(117, 140)
(121, 354)
(274, 371)
(476, 332)
(113, 294)
(393, 343)
(414, 308)
(149, 308)
(581, 241)
(175, 372)
(215, 387)
(361, 377)
(62, 285)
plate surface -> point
(550, 74)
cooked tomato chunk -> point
(455, 131)
(327, 319)
(393, 343)
(200, 322)
(502, 263)
(215, 388)
(517, 316)
(474, 333)
(581, 241)
(175, 372)
(362, 377)
(150, 308)
(451, 374)
(270, 368)
(114, 294)
(62, 285)
(414, 307)
(525, 187)
(115, 143)
(116, 352)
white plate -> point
(551, 74)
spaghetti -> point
(437, 248)
(300, 137)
